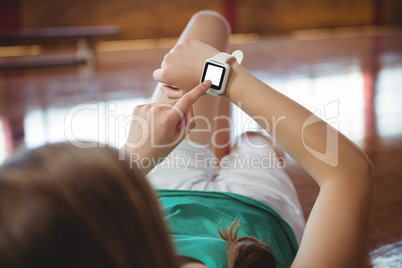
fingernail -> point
(207, 82)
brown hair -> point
(62, 206)
(246, 251)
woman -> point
(68, 207)
(336, 232)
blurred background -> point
(74, 70)
(158, 18)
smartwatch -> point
(217, 70)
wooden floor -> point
(353, 81)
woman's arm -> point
(337, 229)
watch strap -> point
(225, 57)
(222, 57)
(239, 56)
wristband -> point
(217, 70)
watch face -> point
(215, 73)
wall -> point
(139, 18)
(163, 18)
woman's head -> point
(63, 206)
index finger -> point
(188, 99)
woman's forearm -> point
(296, 129)
(337, 229)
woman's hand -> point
(156, 129)
(182, 66)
